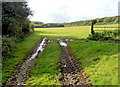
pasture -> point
(71, 32)
(99, 60)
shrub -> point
(96, 36)
(20, 37)
(105, 35)
(8, 44)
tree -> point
(15, 18)
(107, 20)
(15, 25)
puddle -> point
(62, 43)
(49, 41)
(58, 39)
(71, 72)
(69, 39)
(66, 39)
(39, 49)
(22, 73)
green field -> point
(102, 71)
(109, 25)
(71, 32)
(76, 32)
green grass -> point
(46, 71)
(104, 27)
(20, 52)
(70, 32)
(103, 71)
(108, 25)
(24, 47)
(75, 32)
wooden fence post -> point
(92, 26)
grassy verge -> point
(20, 52)
(46, 71)
(99, 60)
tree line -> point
(38, 24)
(15, 24)
(49, 25)
(99, 21)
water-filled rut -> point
(70, 68)
(21, 74)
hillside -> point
(99, 21)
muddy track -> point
(71, 70)
(21, 74)
(105, 41)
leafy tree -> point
(15, 24)
(15, 18)
(38, 23)
(107, 20)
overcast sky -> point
(57, 11)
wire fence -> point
(106, 28)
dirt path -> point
(70, 69)
(112, 41)
(22, 73)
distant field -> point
(76, 32)
(72, 32)
(111, 25)
(107, 27)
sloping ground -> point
(99, 61)
(22, 73)
(70, 69)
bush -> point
(96, 36)
(8, 44)
(20, 37)
(105, 35)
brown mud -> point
(22, 72)
(71, 70)
(105, 41)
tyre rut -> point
(71, 70)
(21, 74)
